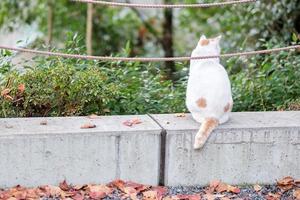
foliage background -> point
(55, 86)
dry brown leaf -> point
(233, 189)
(150, 195)
(286, 183)
(214, 184)
(8, 97)
(106, 110)
(98, 191)
(222, 187)
(188, 197)
(12, 198)
(5, 92)
(257, 188)
(296, 194)
(88, 125)
(44, 123)
(64, 186)
(180, 115)
(78, 197)
(210, 196)
(225, 198)
(297, 182)
(161, 191)
(132, 122)
(21, 88)
(93, 116)
(272, 196)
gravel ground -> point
(247, 192)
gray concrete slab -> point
(33, 154)
(253, 147)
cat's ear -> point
(203, 37)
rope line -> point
(147, 59)
(139, 5)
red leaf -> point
(21, 88)
(150, 195)
(233, 189)
(78, 197)
(222, 187)
(88, 125)
(132, 122)
(161, 191)
(214, 184)
(188, 197)
(297, 194)
(64, 186)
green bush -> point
(65, 87)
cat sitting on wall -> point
(208, 95)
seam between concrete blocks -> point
(163, 147)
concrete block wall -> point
(251, 148)
(34, 154)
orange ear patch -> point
(227, 107)
(204, 42)
(201, 102)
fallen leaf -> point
(297, 182)
(44, 123)
(225, 198)
(78, 197)
(5, 92)
(79, 187)
(209, 196)
(8, 97)
(98, 191)
(137, 186)
(222, 187)
(20, 194)
(132, 122)
(188, 197)
(106, 110)
(214, 184)
(272, 196)
(64, 186)
(88, 125)
(257, 188)
(21, 88)
(97, 195)
(286, 183)
(150, 195)
(180, 115)
(233, 189)
(161, 191)
(93, 116)
(296, 194)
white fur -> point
(208, 79)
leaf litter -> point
(285, 189)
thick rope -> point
(150, 59)
(139, 5)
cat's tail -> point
(207, 126)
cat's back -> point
(208, 74)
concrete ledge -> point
(251, 148)
(34, 154)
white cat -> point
(208, 95)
